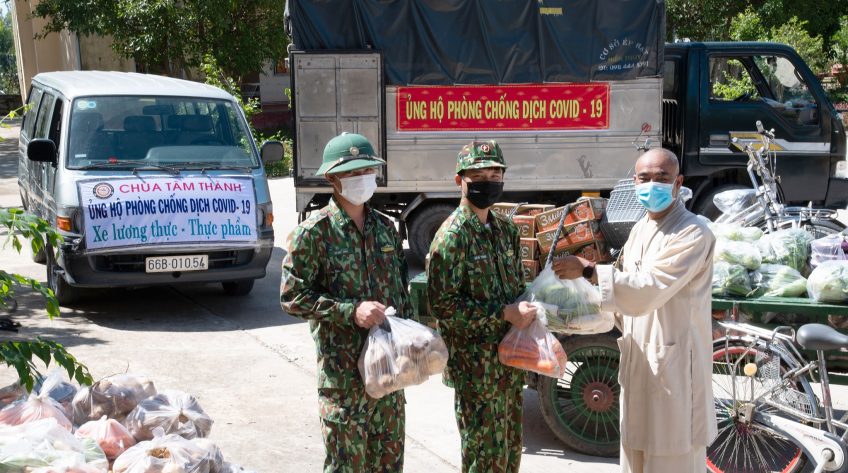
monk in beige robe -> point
(662, 297)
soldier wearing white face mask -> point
(344, 267)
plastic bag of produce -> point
(533, 348)
(215, 455)
(11, 393)
(737, 252)
(165, 454)
(735, 232)
(735, 200)
(777, 280)
(112, 437)
(400, 353)
(829, 248)
(730, 280)
(790, 247)
(175, 412)
(44, 443)
(57, 387)
(113, 397)
(571, 306)
(34, 408)
(829, 282)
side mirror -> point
(42, 150)
(272, 151)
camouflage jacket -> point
(473, 271)
(329, 268)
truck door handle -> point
(719, 140)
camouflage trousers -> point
(490, 428)
(361, 434)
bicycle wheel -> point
(747, 447)
(818, 228)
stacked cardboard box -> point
(581, 234)
(524, 217)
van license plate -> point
(168, 264)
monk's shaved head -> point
(658, 158)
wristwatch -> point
(589, 271)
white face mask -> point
(358, 189)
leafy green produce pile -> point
(777, 280)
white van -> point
(150, 180)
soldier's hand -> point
(369, 314)
(520, 315)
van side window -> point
(42, 122)
(730, 80)
(28, 124)
(790, 96)
(55, 133)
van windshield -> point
(160, 131)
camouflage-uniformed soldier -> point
(474, 276)
(344, 267)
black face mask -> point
(484, 194)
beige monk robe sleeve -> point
(660, 278)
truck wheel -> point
(238, 288)
(705, 205)
(581, 408)
(423, 228)
(65, 294)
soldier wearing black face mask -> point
(474, 275)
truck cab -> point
(712, 89)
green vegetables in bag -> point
(737, 252)
(777, 280)
(789, 247)
(730, 280)
(730, 231)
(829, 282)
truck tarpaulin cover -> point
(446, 42)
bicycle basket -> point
(622, 213)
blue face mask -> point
(655, 196)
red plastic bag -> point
(112, 437)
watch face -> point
(588, 272)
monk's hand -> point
(369, 314)
(570, 267)
(520, 314)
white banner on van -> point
(152, 211)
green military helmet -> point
(348, 152)
(478, 155)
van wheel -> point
(65, 294)
(425, 223)
(238, 288)
(705, 205)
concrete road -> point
(251, 365)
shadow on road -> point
(9, 163)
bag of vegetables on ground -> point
(571, 306)
(533, 348)
(400, 353)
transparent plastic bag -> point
(735, 200)
(11, 393)
(829, 282)
(112, 437)
(737, 252)
(533, 348)
(790, 247)
(730, 280)
(572, 306)
(215, 455)
(829, 248)
(735, 232)
(398, 354)
(113, 397)
(44, 443)
(34, 408)
(175, 412)
(164, 454)
(57, 387)
(777, 280)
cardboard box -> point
(596, 252)
(574, 234)
(531, 269)
(589, 208)
(526, 225)
(505, 209)
(529, 248)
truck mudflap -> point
(837, 193)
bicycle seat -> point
(820, 337)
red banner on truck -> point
(504, 107)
